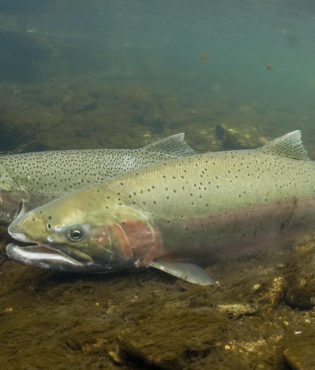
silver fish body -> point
(171, 215)
(32, 179)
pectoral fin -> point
(186, 271)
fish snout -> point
(27, 228)
(15, 232)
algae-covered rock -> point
(187, 337)
(300, 356)
(236, 310)
(240, 137)
(300, 274)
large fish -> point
(32, 179)
(172, 215)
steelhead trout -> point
(171, 215)
(32, 179)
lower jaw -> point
(42, 257)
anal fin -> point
(186, 271)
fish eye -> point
(75, 233)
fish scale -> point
(171, 215)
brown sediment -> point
(151, 319)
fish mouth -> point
(44, 257)
(57, 258)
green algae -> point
(300, 282)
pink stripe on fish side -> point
(240, 232)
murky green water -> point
(121, 74)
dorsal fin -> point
(289, 145)
(174, 145)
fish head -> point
(12, 198)
(79, 232)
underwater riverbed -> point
(260, 314)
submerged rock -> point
(300, 274)
(171, 347)
(300, 356)
(240, 138)
(236, 310)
